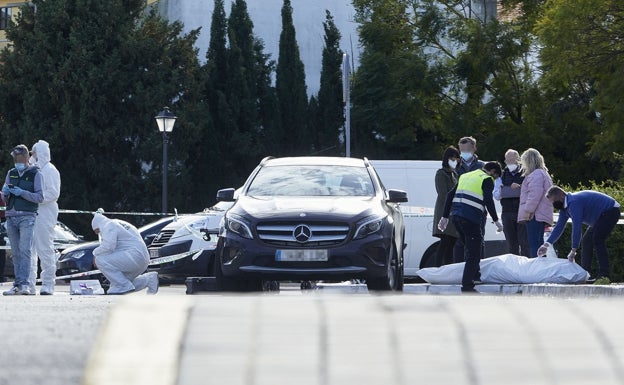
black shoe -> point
(468, 290)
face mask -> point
(558, 205)
(512, 167)
(452, 163)
(466, 156)
(20, 166)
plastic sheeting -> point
(511, 269)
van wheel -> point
(429, 258)
(393, 280)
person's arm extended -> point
(488, 186)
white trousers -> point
(123, 270)
(43, 247)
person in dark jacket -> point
(466, 204)
(445, 181)
(507, 191)
(595, 209)
(22, 192)
(468, 152)
(469, 162)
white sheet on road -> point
(511, 269)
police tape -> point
(153, 262)
(68, 211)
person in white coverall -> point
(43, 236)
(122, 256)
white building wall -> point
(308, 18)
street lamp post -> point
(165, 120)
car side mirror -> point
(226, 194)
(397, 196)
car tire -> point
(393, 279)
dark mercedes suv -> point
(311, 218)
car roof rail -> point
(267, 158)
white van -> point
(417, 178)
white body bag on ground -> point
(511, 269)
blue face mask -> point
(466, 156)
(20, 166)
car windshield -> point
(314, 180)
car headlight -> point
(238, 226)
(73, 255)
(368, 226)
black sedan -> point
(311, 218)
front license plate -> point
(301, 255)
(154, 254)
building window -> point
(5, 16)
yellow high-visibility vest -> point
(469, 189)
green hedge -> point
(615, 242)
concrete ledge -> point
(573, 290)
(548, 289)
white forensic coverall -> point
(43, 235)
(122, 256)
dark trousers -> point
(515, 234)
(535, 235)
(471, 235)
(2, 264)
(459, 248)
(444, 254)
(595, 237)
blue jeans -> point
(20, 230)
(535, 235)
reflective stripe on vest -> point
(470, 190)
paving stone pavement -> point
(346, 335)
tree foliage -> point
(88, 77)
(431, 72)
(329, 117)
(294, 135)
(583, 57)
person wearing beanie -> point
(47, 216)
(122, 256)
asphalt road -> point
(337, 335)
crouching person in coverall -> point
(122, 256)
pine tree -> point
(330, 104)
(245, 144)
(293, 137)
